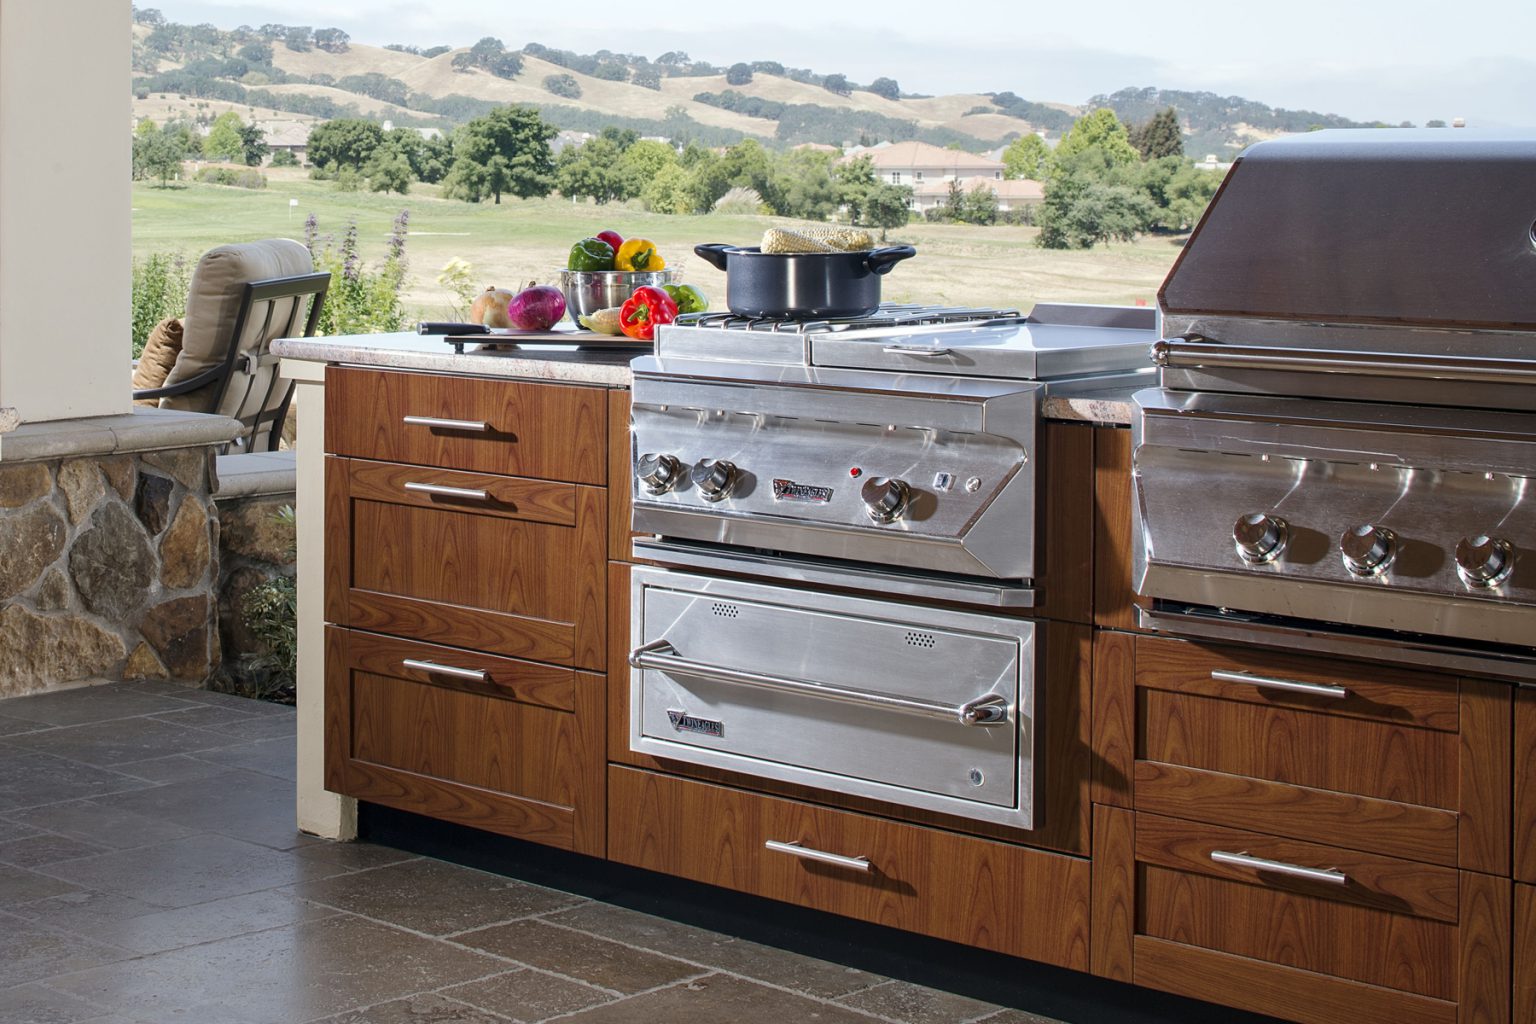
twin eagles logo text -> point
(684, 722)
(788, 490)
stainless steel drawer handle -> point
(988, 709)
(1290, 685)
(925, 351)
(478, 426)
(444, 491)
(1280, 867)
(808, 853)
(477, 675)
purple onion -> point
(536, 308)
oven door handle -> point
(988, 709)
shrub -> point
(159, 291)
(360, 301)
(563, 85)
(246, 178)
(271, 613)
(284, 158)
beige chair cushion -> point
(160, 351)
(214, 300)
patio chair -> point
(242, 297)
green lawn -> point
(527, 240)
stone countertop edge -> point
(10, 419)
(403, 351)
(141, 430)
(601, 366)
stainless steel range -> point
(811, 488)
(1342, 454)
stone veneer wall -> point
(108, 565)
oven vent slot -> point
(916, 639)
(725, 611)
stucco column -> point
(65, 208)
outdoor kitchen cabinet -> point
(1321, 840)
(466, 564)
(1525, 784)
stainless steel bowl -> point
(587, 291)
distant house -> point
(920, 164)
(568, 139)
(1011, 195)
(292, 136)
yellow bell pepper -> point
(638, 254)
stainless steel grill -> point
(1343, 445)
(813, 490)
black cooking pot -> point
(802, 284)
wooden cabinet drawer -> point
(1525, 954)
(515, 428)
(499, 564)
(982, 893)
(1525, 785)
(510, 746)
(1377, 759)
(1310, 932)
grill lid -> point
(1422, 227)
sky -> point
(1368, 60)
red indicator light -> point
(855, 472)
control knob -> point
(714, 478)
(1260, 537)
(658, 473)
(886, 498)
(1484, 561)
(1368, 549)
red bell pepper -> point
(646, 309)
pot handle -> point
(713, 253)
(880, 261)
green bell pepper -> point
(688, 298)
(590, 254)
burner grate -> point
(890, 314)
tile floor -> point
(150, 873)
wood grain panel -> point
(1383, 883)
(417, 742)
(1114, 718)
(1261, 987)
(494, 580)
(1114, 892)
(1525, 785)
(1370, 946)
(1114, 597)
(526, 682)
(548, 431)
(1376, 692)
(1005, 898)
(1486, 762)
(1301, 748)
(452, 557)
(620, 476)
(1381, 826)
(1525, 955)
(535, 501)
(1065, 543)
(1485, 948)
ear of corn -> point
(603, 321)
(816, 239)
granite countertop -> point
(608, 367)
(10, 419)
(409, 351)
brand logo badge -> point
(788, 490)
(682, 721)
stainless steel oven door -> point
(923, 707)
